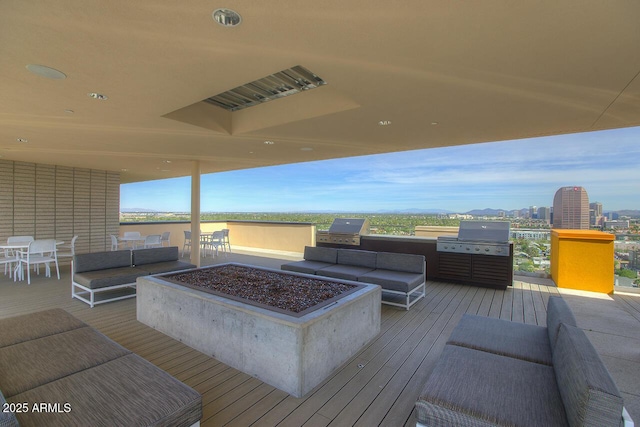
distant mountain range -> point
(633, 213)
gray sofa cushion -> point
(512, 339)
(590, 396)
(393, 280)
(101, 260)
(345, 272)
(128, 391)
(111, 277)
(154, 255)
(308, 267)
(165, 267)
(474, 388)
(7, 419)
(558, 312)
(40, 361)
(358, 258)
(15, 330)
(400, 262)
(327, 255)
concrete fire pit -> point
(293, 353)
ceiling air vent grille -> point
(284, 83)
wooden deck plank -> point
(517, 307)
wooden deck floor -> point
(378, 386)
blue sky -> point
(500, 175)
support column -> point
(195, 213)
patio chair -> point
(114, 242)
(8, 258)
(215, 241)
(38, 252)
(165, 238)
(226, 241)
(187, 241)
(68, 251)
(153, 241)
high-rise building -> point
(533, 212)
(571, 208)
(544, 213)
(595, 213)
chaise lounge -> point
(55, 370)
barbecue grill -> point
(344, 231)
(478, 237)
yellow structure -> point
(582, 259)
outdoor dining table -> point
(130, 240)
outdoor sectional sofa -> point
(494, 372)
(101, 277)
(402, 277)
(55, 370)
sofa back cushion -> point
(101, 260)
(154, 255)
(357, 258)
(558, 312)
(589, 395)
(400, 262)
(314, 253)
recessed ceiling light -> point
(69, 111)
(167, 161)
(306, 149)
(384, 122)
(48, 72)
(434, 123)
(21, 140)
(96, 95)
(227, 17)
(269, 142)
(124, 170)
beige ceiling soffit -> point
(307, 105)
(205, 116)
(624, 110)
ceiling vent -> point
(278, 85)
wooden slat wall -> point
(64, 203)
(6, 199)
(24, 199)
(82, 209)
(47, 201)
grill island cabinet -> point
(480, 270)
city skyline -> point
(505, 175)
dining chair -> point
(8, 258)
(165, 238)
(216, 240)
(13, 253)
(68, 251)
(153, 241)
(187, 241)
(226, 241)
(114, 242)
(38, 252)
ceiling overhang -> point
(443, 73)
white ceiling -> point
(482, 70)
